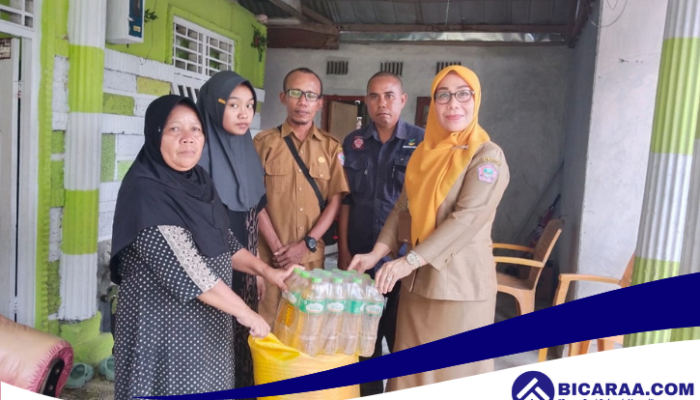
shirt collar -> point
(399, 131)
(287, 129)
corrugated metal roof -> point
(263, 7)
(473, 12)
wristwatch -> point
(413, 259)
(310, 243)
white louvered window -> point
(18, 13)
(198, 53)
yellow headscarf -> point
(437, 162)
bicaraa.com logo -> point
(533, 385)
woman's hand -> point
(262, 289)
(363, 262)
(258, 327)
(390, 273)
(278, 276)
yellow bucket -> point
(273, 361)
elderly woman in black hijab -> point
(172, 255)
(227, 103)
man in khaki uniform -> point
(292, 223)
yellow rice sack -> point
(273, 361)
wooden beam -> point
(315, 16)
(291, 7)
(293, 38)
(317, 28)
(452, 28)
(294, 23)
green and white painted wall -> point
(666, 198)
(93, 98)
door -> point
(422, 107)
(9, 133)
(342, 119)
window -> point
(395, 67)
(198, 53)
(17, 12)
(444, 64)
(337, 67)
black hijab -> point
(231, 160)
(154, 194)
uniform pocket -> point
(320, 171)
(398, 173)
(277, 177)
(357, 175)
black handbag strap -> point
(304, 169)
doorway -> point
(422, 107)
(20, 72)
(9, 155)
(343, 114)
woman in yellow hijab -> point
(454, 183)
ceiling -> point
(326, 23)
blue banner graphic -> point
(646, 307)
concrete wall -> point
(578, 122)
(523, 106)
(613, 168)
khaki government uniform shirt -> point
(291, 202)
(459, 252)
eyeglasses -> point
(296, 94)
(462, 96)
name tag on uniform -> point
(411, 144)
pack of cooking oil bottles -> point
(329, 312)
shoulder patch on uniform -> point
(490, 160)
(488, 173)
(341, 158)
(358, 143)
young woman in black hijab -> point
(227, 103)
(172, 254)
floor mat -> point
(98, 388)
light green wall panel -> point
(122, 169)
(108, 158)
(221, 16)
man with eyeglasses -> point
(293, 224)
(376, 159)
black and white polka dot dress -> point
(166, 341)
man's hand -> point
(290, 254)
(344, 258)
